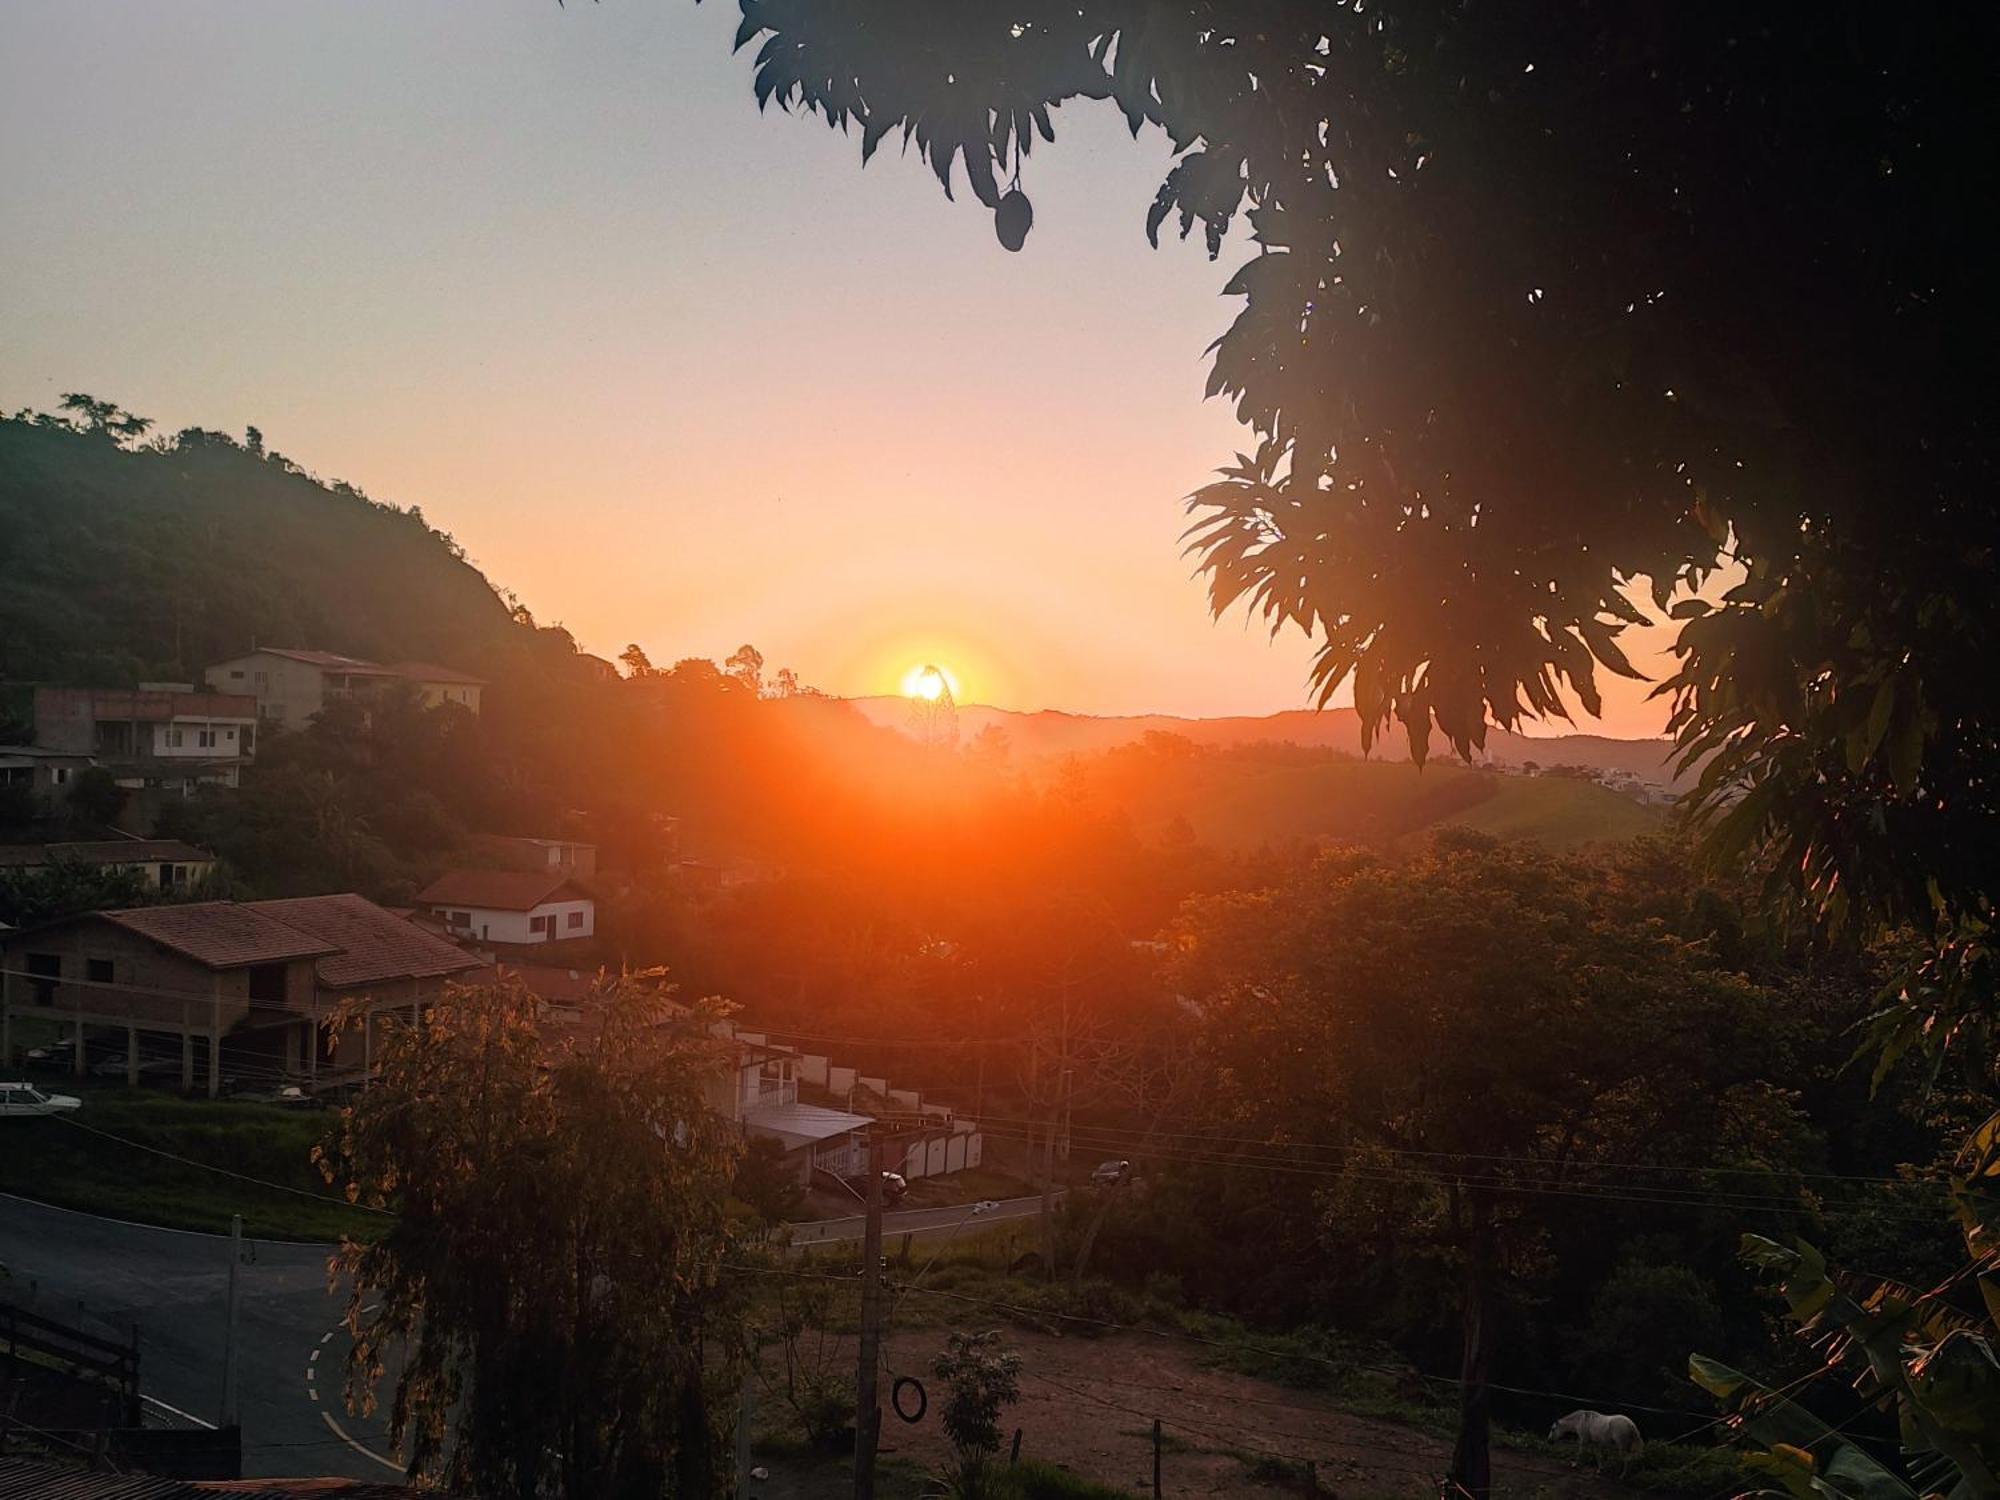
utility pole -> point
(229, 1361)
(743, 1409)
(867, 1398)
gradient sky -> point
(672, 372)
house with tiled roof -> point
(510, 908)
(223, 988)
(292, 685)
(164, 864)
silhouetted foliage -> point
(1548, 304)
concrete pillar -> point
(6, 1017)
(312, 1052)
(292, 1048)
(215, 1038)
(76, 1062)
(367, 1048)
(131, 1056)
(187, 1054)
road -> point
(919, 1221)
(110, 1277)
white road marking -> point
(175, 1411)
(341, 1433)
(313, 1358)
(327, 1337)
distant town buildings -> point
(290, 686)
(163, 864)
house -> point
(162, 737)
(258, 980)
(43, 773)
(292, 686)
(164, 864)
(510, 907)
(570, 856)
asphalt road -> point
(110, 1277)
(919, 1221)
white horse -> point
(1597, 1431)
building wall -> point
(466, 694)
(191, 990)
(287, 692)
(181, 738)
(490, 926)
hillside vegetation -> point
(126, 564)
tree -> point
(746, 665)
(95, 798)
(554, 1266)
(104, 419)
(1462, 1036)
(979, 1378)
(1534, 322)
(637, 663)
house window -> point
(99, 971)
(267, 984)
(44, 970)
(236, 674)
(60, 775)
(206, 739)
(172, 876)
(576, 919)
(538, 924)
(173, 739)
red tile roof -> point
(221, 934)
(373, 945)
(498, 890)
(331, 659)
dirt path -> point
(1089, 1405)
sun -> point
(929, 682)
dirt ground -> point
(1089, 1405)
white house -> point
(291, 686)
(517, 908)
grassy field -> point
(1242, 802)
(116, 1157)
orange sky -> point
(672, 372)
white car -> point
(26, 1099)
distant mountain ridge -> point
(1053, 732)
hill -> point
(1051, 732)
(142, 563)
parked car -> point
(287, 1096)
(1110, 1173)
(894, 1187)
(153, 1070)
(25, 1099)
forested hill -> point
(122, 562)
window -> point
(538, 924)
(267, 984)
(99, 971)
(206, 739)
(458, 919)
(44, 970)
(229, 734)
(174, 739)
(236, 674)
(576, 919)
(172, 876)
(60, 775)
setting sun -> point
(930, 682)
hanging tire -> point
(911, 1383)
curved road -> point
(111, 1276)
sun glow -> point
(930, 682)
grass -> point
(54, 1161)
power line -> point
(188, 1161)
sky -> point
(671, 371)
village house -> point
(160, 737)
(568, 856)
(510, 908)
(164, 864)
(248, 986)
(292, 686)
(46, 774)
